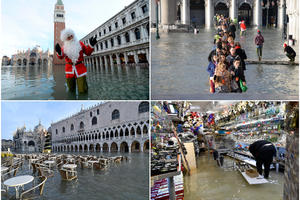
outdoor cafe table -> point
(70, 166)
(3, 169)
(17, 182)
(91, 162)
(49, 162)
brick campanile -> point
(59, 25)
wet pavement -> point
(179, 63)
(130, 82)
(210, 182)
(128, 180)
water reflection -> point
(48, 82)
(210, 182)
(179, 62)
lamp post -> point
(157, 29)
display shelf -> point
(166, 175)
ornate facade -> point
(31, 57)
(107, 127)
(173, 13)
(123, 39)
(29, 141)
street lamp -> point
(157, 29)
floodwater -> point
(130, 82)
(179, 63)
(210, 182)
(128, 180)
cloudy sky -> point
(15, 114)
(26, 23)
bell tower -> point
(59, 25)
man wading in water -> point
(73, 51)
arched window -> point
(115, 115)
(144, 107)
(101, 46)
(112, 42)
(72, 127)
(94, 120)
(127, 37)
(56, 131)
(63, 129)
(119, 40)
(81, 126)
(137, 33)
(106, 44)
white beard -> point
(72, 49)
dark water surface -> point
(179, 63)
(48, 82)
(210, 182)
(128, 180)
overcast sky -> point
(15, 114)
(26, 23)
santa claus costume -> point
(72, 52)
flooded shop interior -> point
(216, 150)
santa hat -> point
(66, 33)
(284, 45)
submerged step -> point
(271, 62)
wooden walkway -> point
(271, 62)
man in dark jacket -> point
(242, 54)
(290, 52)
(237, 74)
(232, 29)
(263, 152)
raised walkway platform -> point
(271, 62)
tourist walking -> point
(243, 28)
(263, 152)
(222, 79)
(259, 42)
(290, 52)
(211, 69)
(241, 53)
(237, 74)
(73, 51)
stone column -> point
(97, 63)
(147, 55)
(168, 12)
(105, 61)
(281, 14)
(126, 58)
(111, 60)
(118, 59)
(233, 9)
(209, 12)
(101, 149)
(257, 13)
(136, 57)
(185, 14)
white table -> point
(49, 162)
(17, 182)
(70, 166)
(91, 162)
(3, 169)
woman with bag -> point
(238, 76)
(222, 79)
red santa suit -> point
(77, 69)
(73, 51)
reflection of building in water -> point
(32, 57)
(173, 14)
(30, 141)
(123, 39)
(107, 127)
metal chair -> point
(67, 174)
(31, 193)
